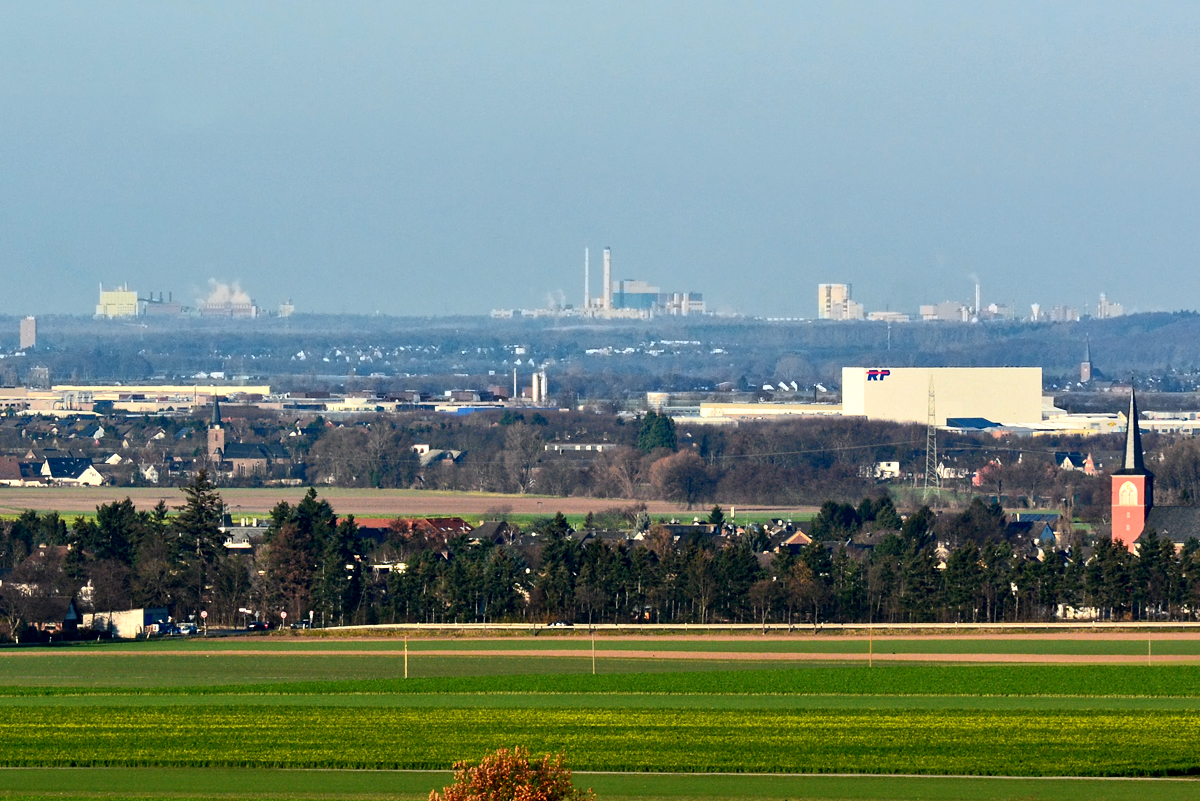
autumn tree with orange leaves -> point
(512, 776)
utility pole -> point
(933, 481)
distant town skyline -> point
(430, 159)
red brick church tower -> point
(1132, 485)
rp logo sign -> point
(878, 375)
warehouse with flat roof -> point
(1009, 396)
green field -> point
(237, 718)
(214, 783)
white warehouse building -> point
(1005, 395)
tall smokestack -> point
(608, 279)
(587, 282)
(976, 299)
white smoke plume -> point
(221, 294)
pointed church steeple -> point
(216, 433)
(1135, 460)
(1132, 485)
(1085, 367)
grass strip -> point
(614, 701)
(1016, 743)
(225, 783)
(1096, 681)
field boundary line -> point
(678, 656)
(648, 773)
(780, 628)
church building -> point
(1133, 509)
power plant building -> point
(633, 299)
(1003, 395)
(121, 302)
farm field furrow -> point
(1032, 743)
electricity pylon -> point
(933, 479)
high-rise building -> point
(832, 300)
(1064, 314)
(28, 333)
(1106, 309)
(834, 303)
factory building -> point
(229, 309)
(121, 302)
(947, 310)
(1002, 395)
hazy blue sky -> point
(455, 157)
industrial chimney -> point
(587, 283)
(608, 279)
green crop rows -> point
(147, 709)
(46, 675)
(1079, 743)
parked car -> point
(258, 625)
(301, 624)
(187, 629)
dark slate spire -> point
(216, 415)
(1087, 350)
(1134, 459)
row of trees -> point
(866, 564)
(901, 579)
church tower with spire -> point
(1132, 485)
(216, 434)
(1085, 367)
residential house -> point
(72, 472)
(252, 458)
(54, 615)
(795, 543)
(15, 473)
(1075, 461)
(436, 531)
(496, 532)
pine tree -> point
(199, 541)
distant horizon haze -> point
(436, 159)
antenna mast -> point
(933, 480)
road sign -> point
(204, 614)
(283, 615)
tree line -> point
(866, 563)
